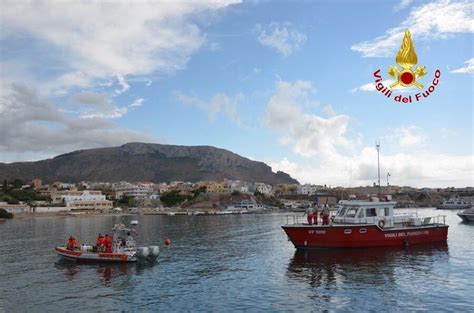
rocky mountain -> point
(143, 161)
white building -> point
(84, 200)
(306, 189)
(138, 191)
(15, 208)
(238, 186)
(264, 188)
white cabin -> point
(365, 212)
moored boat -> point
(124, 249)
(369, 223)
(455, 204)
(467, 215)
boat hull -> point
(467, 217)
(358, 236)
(94, 257)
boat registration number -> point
(317, 232)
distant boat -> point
(455, 204)
(467, 215)
(244, 206)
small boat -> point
(367, 223)
(455, 204)
(124, 249)
(467, 215)
(245, 206)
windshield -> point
(341, 212)
(351, 213)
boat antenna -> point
(377, 145)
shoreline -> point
(162, 213)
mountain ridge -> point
(137, 161)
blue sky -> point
(289, 83)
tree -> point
(172, 198)
(5, 186)
(17, 183)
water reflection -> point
(328, 268)
(106, 272)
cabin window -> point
(387, 211)
(341, 212)
(361, 214)
(371, 212)
(351, 213)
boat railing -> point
(437, 219)
(295, 219)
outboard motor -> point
(154, 252)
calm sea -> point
(230, 263)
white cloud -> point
(123, 84)
(402, 5)
(282, 37)
(29, 124)
(218, 104)
(435, 20)
(447, 133)
(100, 105)
(137, 103)
(96, 40)
(371, 87)
(307, 134)
(469, 68)
(414, 169)
(410, 136)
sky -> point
(289, 83)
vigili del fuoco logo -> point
(406, 75)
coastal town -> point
(22, 198)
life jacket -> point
(108, 241)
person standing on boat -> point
(315, 214)
(100, 243)
(71, 243)
(309, 215)
(108, 243)
(325, 214)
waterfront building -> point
(238, 186)
(82, 200)
(306, 189)
(137, 191)
(215, 187)
(264, 189)
(15, 208)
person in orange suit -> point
(108, 244)
(309, 215)
(100, 243)
(71, 243)
(315, 214)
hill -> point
(143, 161)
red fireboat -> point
(368, 223)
